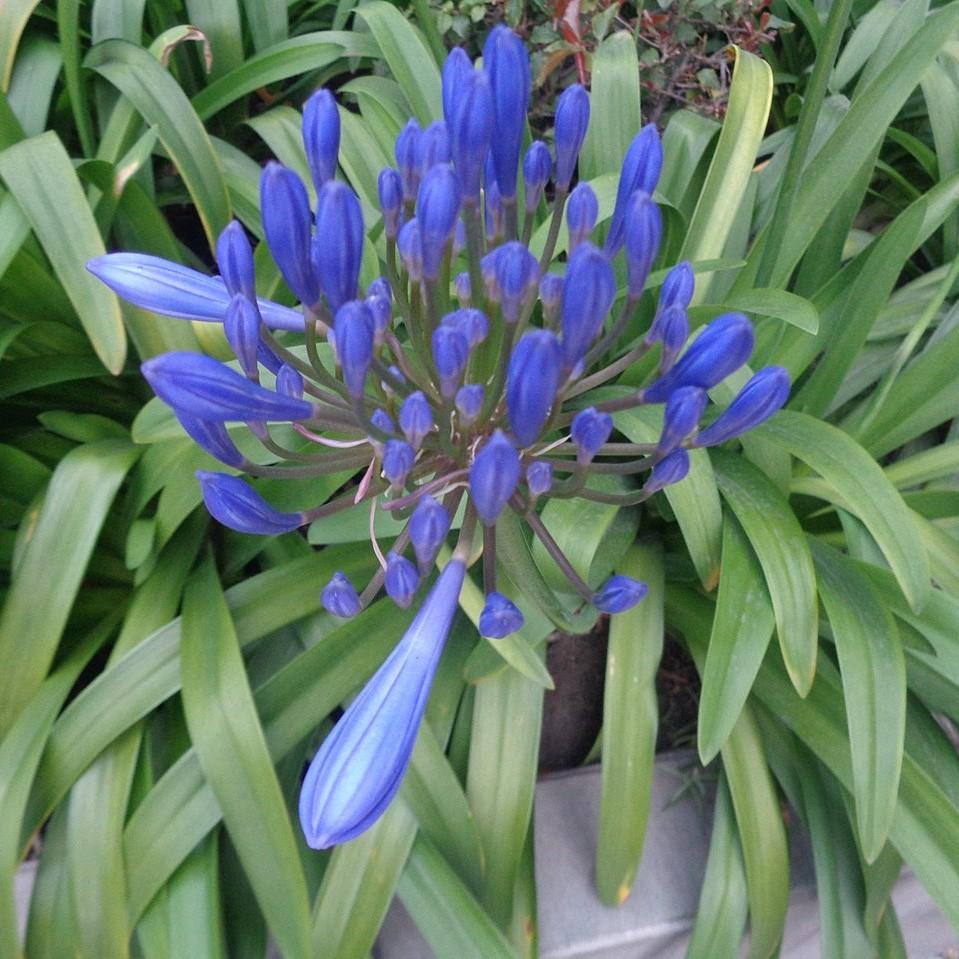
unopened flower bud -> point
(337, 250)
(339, 597)
(493, 202)
(287, 226)
(353, 328)
(469, 402)
(572, 119)
(539, 477)
(684, 408)
(407, 159)
(402, 579)
(241, 326)
(390, 188)
(237, 505)
(677, 288)
(582, 211)
(644, 230)
(410, 247)
(537, 166)
(764, 394)
(234, 256)
(531, 383)
(428, 527)
(670, 469)
(451, 351)
(493, 476)
(213, 438)
(587, 296)
(289, 382)
(463, 290)
(506, 63)
(381, 287)
(437, 207)
(398, 459)
(383, 421)
(641, 169)
(551, 295)
(434, 147)
(416, 418)
(457, 69)
(589, 431)
(516, 273)
(470, 131)
(499, 617)
(619, 593)
(321, 136)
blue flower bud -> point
(644, 230)
(321, 136)
(684, 408)
(722, 347)
(531, 383)
(338, 246)
(233, 503)
(582, 211)
(407, 154)
(390, 187)
(268, 358)
(382, 313)
(539, 477)
(589, 430)
(381, 287)
(213, 438)
(499, 617)
(471, 323)
(383, 421)
(287, 226)
(360, 765)
(550, 294)
(671, 326)
(457, 69)
(492, 202)
(670, 469)
(572, 119)
(764, 394)
(397, 374)
(641, 169)
(402, 579)
(459, 238)
(619, 593)
(517, 276)
(506, 63)
(204, 388)
(416, 418)
(537, 166)
(410, 247)
(451, 351)
(464, 293)
(234, 256)
(340, 598)
(470, 131)
(493, 476)
(353, 328)
(241, 324)
(677, 288)
(437, 207)
(398, 459)
(428, 527)
(433, 147)
(588, 294)
(164, 287)
(289, 382)
(469, 402)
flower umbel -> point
(458, 386)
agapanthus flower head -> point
(236, 504)
(288, 227)
(321, 136)
(500, 617)
(340, 597)
(762, 396)
(572, 120)
(360, 765)
(443, 399)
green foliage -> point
(159, 789)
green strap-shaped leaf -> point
(864, 490)
(232, 751)
(615, 116)
(13, 18)
(444, 910)
(408, 57)
(783, 553)
(874, 685)
(630, 723)
(740, 635)
(750, 96)
(54, 560)
(163, 104)
(39, 173)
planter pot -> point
(655, 921)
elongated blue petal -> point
(337, 249)
(531, 383)
(361, 764)
(162, 286)
(493, 477)
(204, 388)
(763, 395)
(506, 63)
(236, 505)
